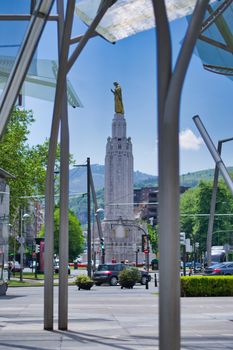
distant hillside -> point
(78, 178)
(193, 179)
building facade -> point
(122, 236)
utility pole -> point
(88, 218)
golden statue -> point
(119, 108)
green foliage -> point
(127, 278)
(14, 157)
(84, 282)
(27, 164)
(206, 286)
(195, 208)
(75, 234)
(153, 237)
(135, 273)
(83, 279)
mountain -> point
(78, 178)
(193, 179)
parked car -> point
(56, 268)
(225, 268)
(108, 273)
(190, 264)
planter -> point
(128, 277)
(128, 284)
(85, 285)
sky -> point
(132, 62)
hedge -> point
(206, 286)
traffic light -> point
(102, 243)
(182, 238)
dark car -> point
(225, 268)
(108, 273)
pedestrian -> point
(190, 271)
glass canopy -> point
(128, 17)
(41, 78)
(215, 44)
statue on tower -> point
(119, 108)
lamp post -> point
(88, 166)
(102, 247)
(21, 241)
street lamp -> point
(21, 241)
(101, 238)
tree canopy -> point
(76, 239)
(27, 164)
(195, 209)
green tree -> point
(76, 238)
(195, 208)
(153, 237)
(27, 164)
(14, 159)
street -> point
(111, 318)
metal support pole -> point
(212, 210)
(169, 95)
(49, 195)
(105, 4)
(184, 259)
(89, 267)
(213, 151)
(64, 224)
(64, 196)
(213, 204)
(21, 245)
(99, 227)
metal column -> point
(213, 151)
(213, 203)
(169, 95)
(64, 195)
(89, 263)
(49, 195)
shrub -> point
(201, 286)
(128, 278)
(84, 282)
(135, 273)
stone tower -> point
(120, 235)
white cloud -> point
(189, 141)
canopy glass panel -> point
(215, 44)
(40, 81)
(128, 17)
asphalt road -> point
(111, 318)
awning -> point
(128, 17)
(215, 44)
